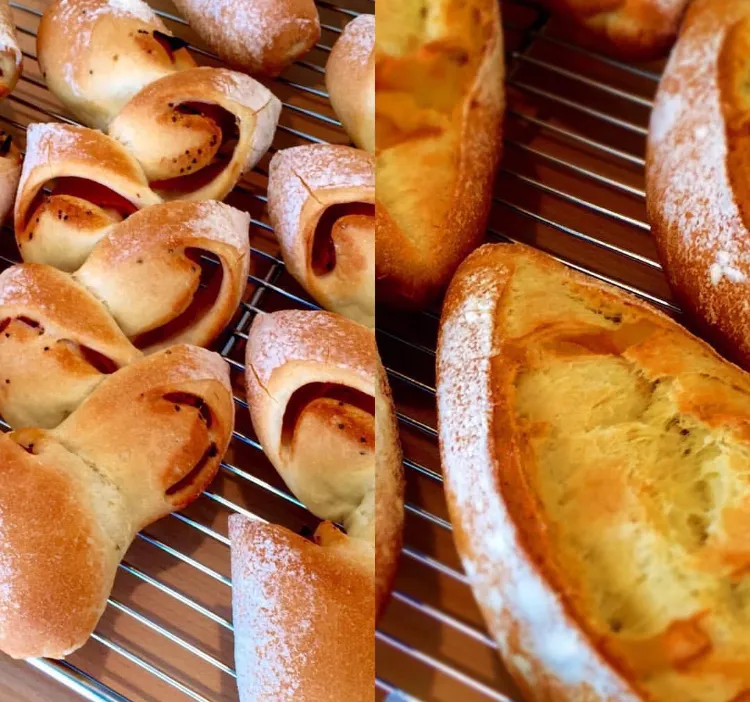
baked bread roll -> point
(97, 54)
(196, 132)
(93, 491)
(153, 273)
(635, 30)
(440, 104)
(321, 201)
(57, 343)
(11, 59)
(595, 455)
(314, 387)
(92, 183)
(257, 36)
(10, 173)
(695, 169)
(350, 80)
(303, 618)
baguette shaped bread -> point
(97, 54)
(10, 54)
(124, 459)
(93, 182)
(321, 201)
(182, 130)
(635, 30)
(303, 618)
(350, 80)
(259, 36)
(314, 383)
(152, 273)
(57, 343)
(697, 135)
(439, 68)
(595, 459)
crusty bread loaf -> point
(10, 173)
(595, 458)
(696, 168)
(95, 55)
(92, 491)
(350, 80)
(635, 30)
(439, 67)
(303, 618)
(321, 201)
(257, 36)
(10, 53)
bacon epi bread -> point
(147, 285)
(259, 36)
(93, 492)
(634, 30)
(11, 58)
(350, 80)
(697, 136)
(319, 403)
(321, 202)
(439, 107)
(594, 455)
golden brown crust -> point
(516, 325)
(439, 110)
(10, 174)
(635, 30)
(95, 55)
(176, 127)
(303, 616)
(260, 36)
(321, 201)
(10, 54)
(697, 135)
(95, 492)
(350, 80)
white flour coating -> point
(266, 650)
(244, 29)
(357, 41)
(8, 39)
(295, 172)
(687, 136)
(503, 579)
(42, 142)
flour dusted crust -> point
(94, 492)
(11, 59)
(635, 30)
(323, 413)
(304, 183)
(96, 54)
(350, 80)
(439, 108)
(696, 163)
(259, 36)
(497, 332)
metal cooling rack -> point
(571, 184)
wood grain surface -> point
(571, 184)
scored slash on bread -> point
(595, 457)
(147, 285)
(321, 202)
(322, 411)
(144, 443)
(696, 172)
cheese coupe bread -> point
(696, 166)
(595, 458)
(257, 36)
(439, 107)
(144, 443)
(321, 202)
(323, 413)
(350, 80)
(634, 30)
